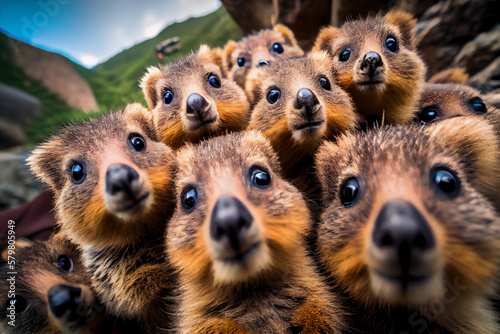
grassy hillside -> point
(54, 110)
(115, 82)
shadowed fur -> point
(458, 264)
(270, 285)
(383, 84)
(225, 108)
(118, 226)
(39, 268)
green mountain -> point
(115, 82)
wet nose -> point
(119, 179)
(230, 219)
(371, 62)
(306, 99)
(197, 106)
(401, 228)
(63, 298)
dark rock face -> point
(460, 33)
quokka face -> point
(110, 177)
(255, 51)
(299, 105)
(441, 101)
(407, 212)
(236, 220)
(52, 293)
(378, 64)
(191, 100)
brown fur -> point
(275, 288)
(37, 271)
(448, 100)
(401, 75)
(228, 104)
(255, 48)
(450, 76)
(277, 121)
(395, 164)
(122, 250)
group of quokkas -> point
(268, 190)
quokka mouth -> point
(135, 203)
(242, 256)
(310, 125)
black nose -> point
(263, 63)
(119, 178)
(230, 218)
(197, 106)
(63, 298)
(371, 62)
(306, 98)
(400, 226)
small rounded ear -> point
(475, 140)
(325, 38)
(148, 85)
(406, 24)
(227, 53)
(142, 116)
(45, 163)
(287, 34)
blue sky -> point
(91, 31)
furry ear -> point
(45, 163)
(143, 117)
(227, 53)
(325, 38)
(475, 141)
(213, 56)
(148, 85)
(217, 57)
(287, 34)
(406, 24)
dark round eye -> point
(345, 55)
(478, 105)
(325, 83)
(20, 303)
(65, 263)
(278, 48)
(168, 97)
(428, 114)
(78, 172)
(391, 44)
(273, 96)
(446, 181)
(189, 200)
(214, 81)
(260, 178)
(137, 141)
(350, 192)
(241, 62)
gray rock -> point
(478, 53)
(17, 184)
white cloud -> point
(88, 60)
(151, 25)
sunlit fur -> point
(122, 250)
(255, 48)
(392, 164)
(37, 271)
(402, 73)
(275, 287)
(228, 104)
(295, 148)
